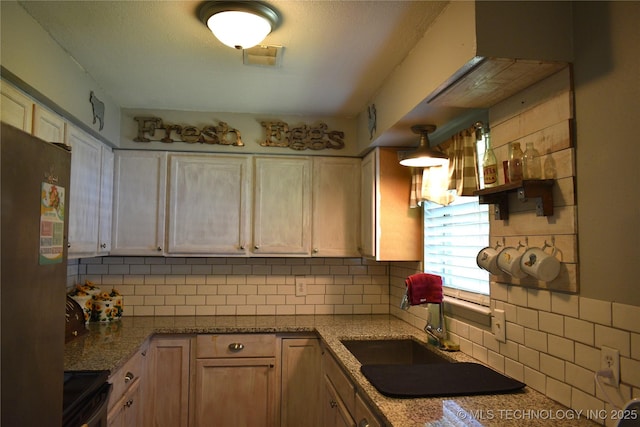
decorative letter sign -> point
(221, 134)
(278, 134)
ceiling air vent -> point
(263, 55)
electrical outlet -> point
(610, 359)
(498, 325)
(301, 286)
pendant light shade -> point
(424, 156)
(239, 24)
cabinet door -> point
(166, 393)
(236, 392)
(208, 205)
(301, 388)
(391, 231)
(84, 198)
(282, 206)
(336, 207)
(364, 416)
(48, 125)
(368, 200)
(106, 201)
(16, 108)
(139, 203)
(127, 412)
(335, 414)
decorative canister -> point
(83, 295)
(86, 303)
(89, 288)
(107, 307)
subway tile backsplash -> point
(239, 286)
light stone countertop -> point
(108, 346)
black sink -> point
(407, 368)
(393, 352)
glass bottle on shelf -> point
(531, 165)
(489, 162)
(515, 162)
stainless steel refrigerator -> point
(35, 198)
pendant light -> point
(424, 156)
(239, 24)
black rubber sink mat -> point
(438, 379)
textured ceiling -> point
(158, 55)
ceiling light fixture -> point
(424, 156)
(239, 24)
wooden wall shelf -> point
(526, 189)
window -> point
(453, 236)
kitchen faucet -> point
(438, 333)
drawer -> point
(235, 345)
(364, 416)
(128, 373)
(345, 389)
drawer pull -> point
(128, 377)
(128, 403)
(363, 423)
(333, 403)
(236, 347)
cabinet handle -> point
(363, 423)
(128, 377)
(236, 347)
(128, 403)
(103, 246)
(333, 403)
(256, 247)
(242, 247)
(68, 245)
(315, 250)
(159, 249)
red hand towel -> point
(424, 288)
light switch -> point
(498, 325)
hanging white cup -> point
(487, 259)
(509, 262)
(540, 264)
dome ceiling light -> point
(424, 156)
(239, 24)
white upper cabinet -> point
(139, 202)
(84, 197)
(282, 206)
(16, 108)
(391, 231)
(208, 204)
(48, 125)
(368, 205)
(336, 207)
(106, 201)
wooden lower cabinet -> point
(301, 384)
(334, 413)
(166, 390)
(257, 380)
(236, 381)
(364, 416)
(127, 411)
(236, 392)
(125, 408)
(342, 403)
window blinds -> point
(453, 236)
